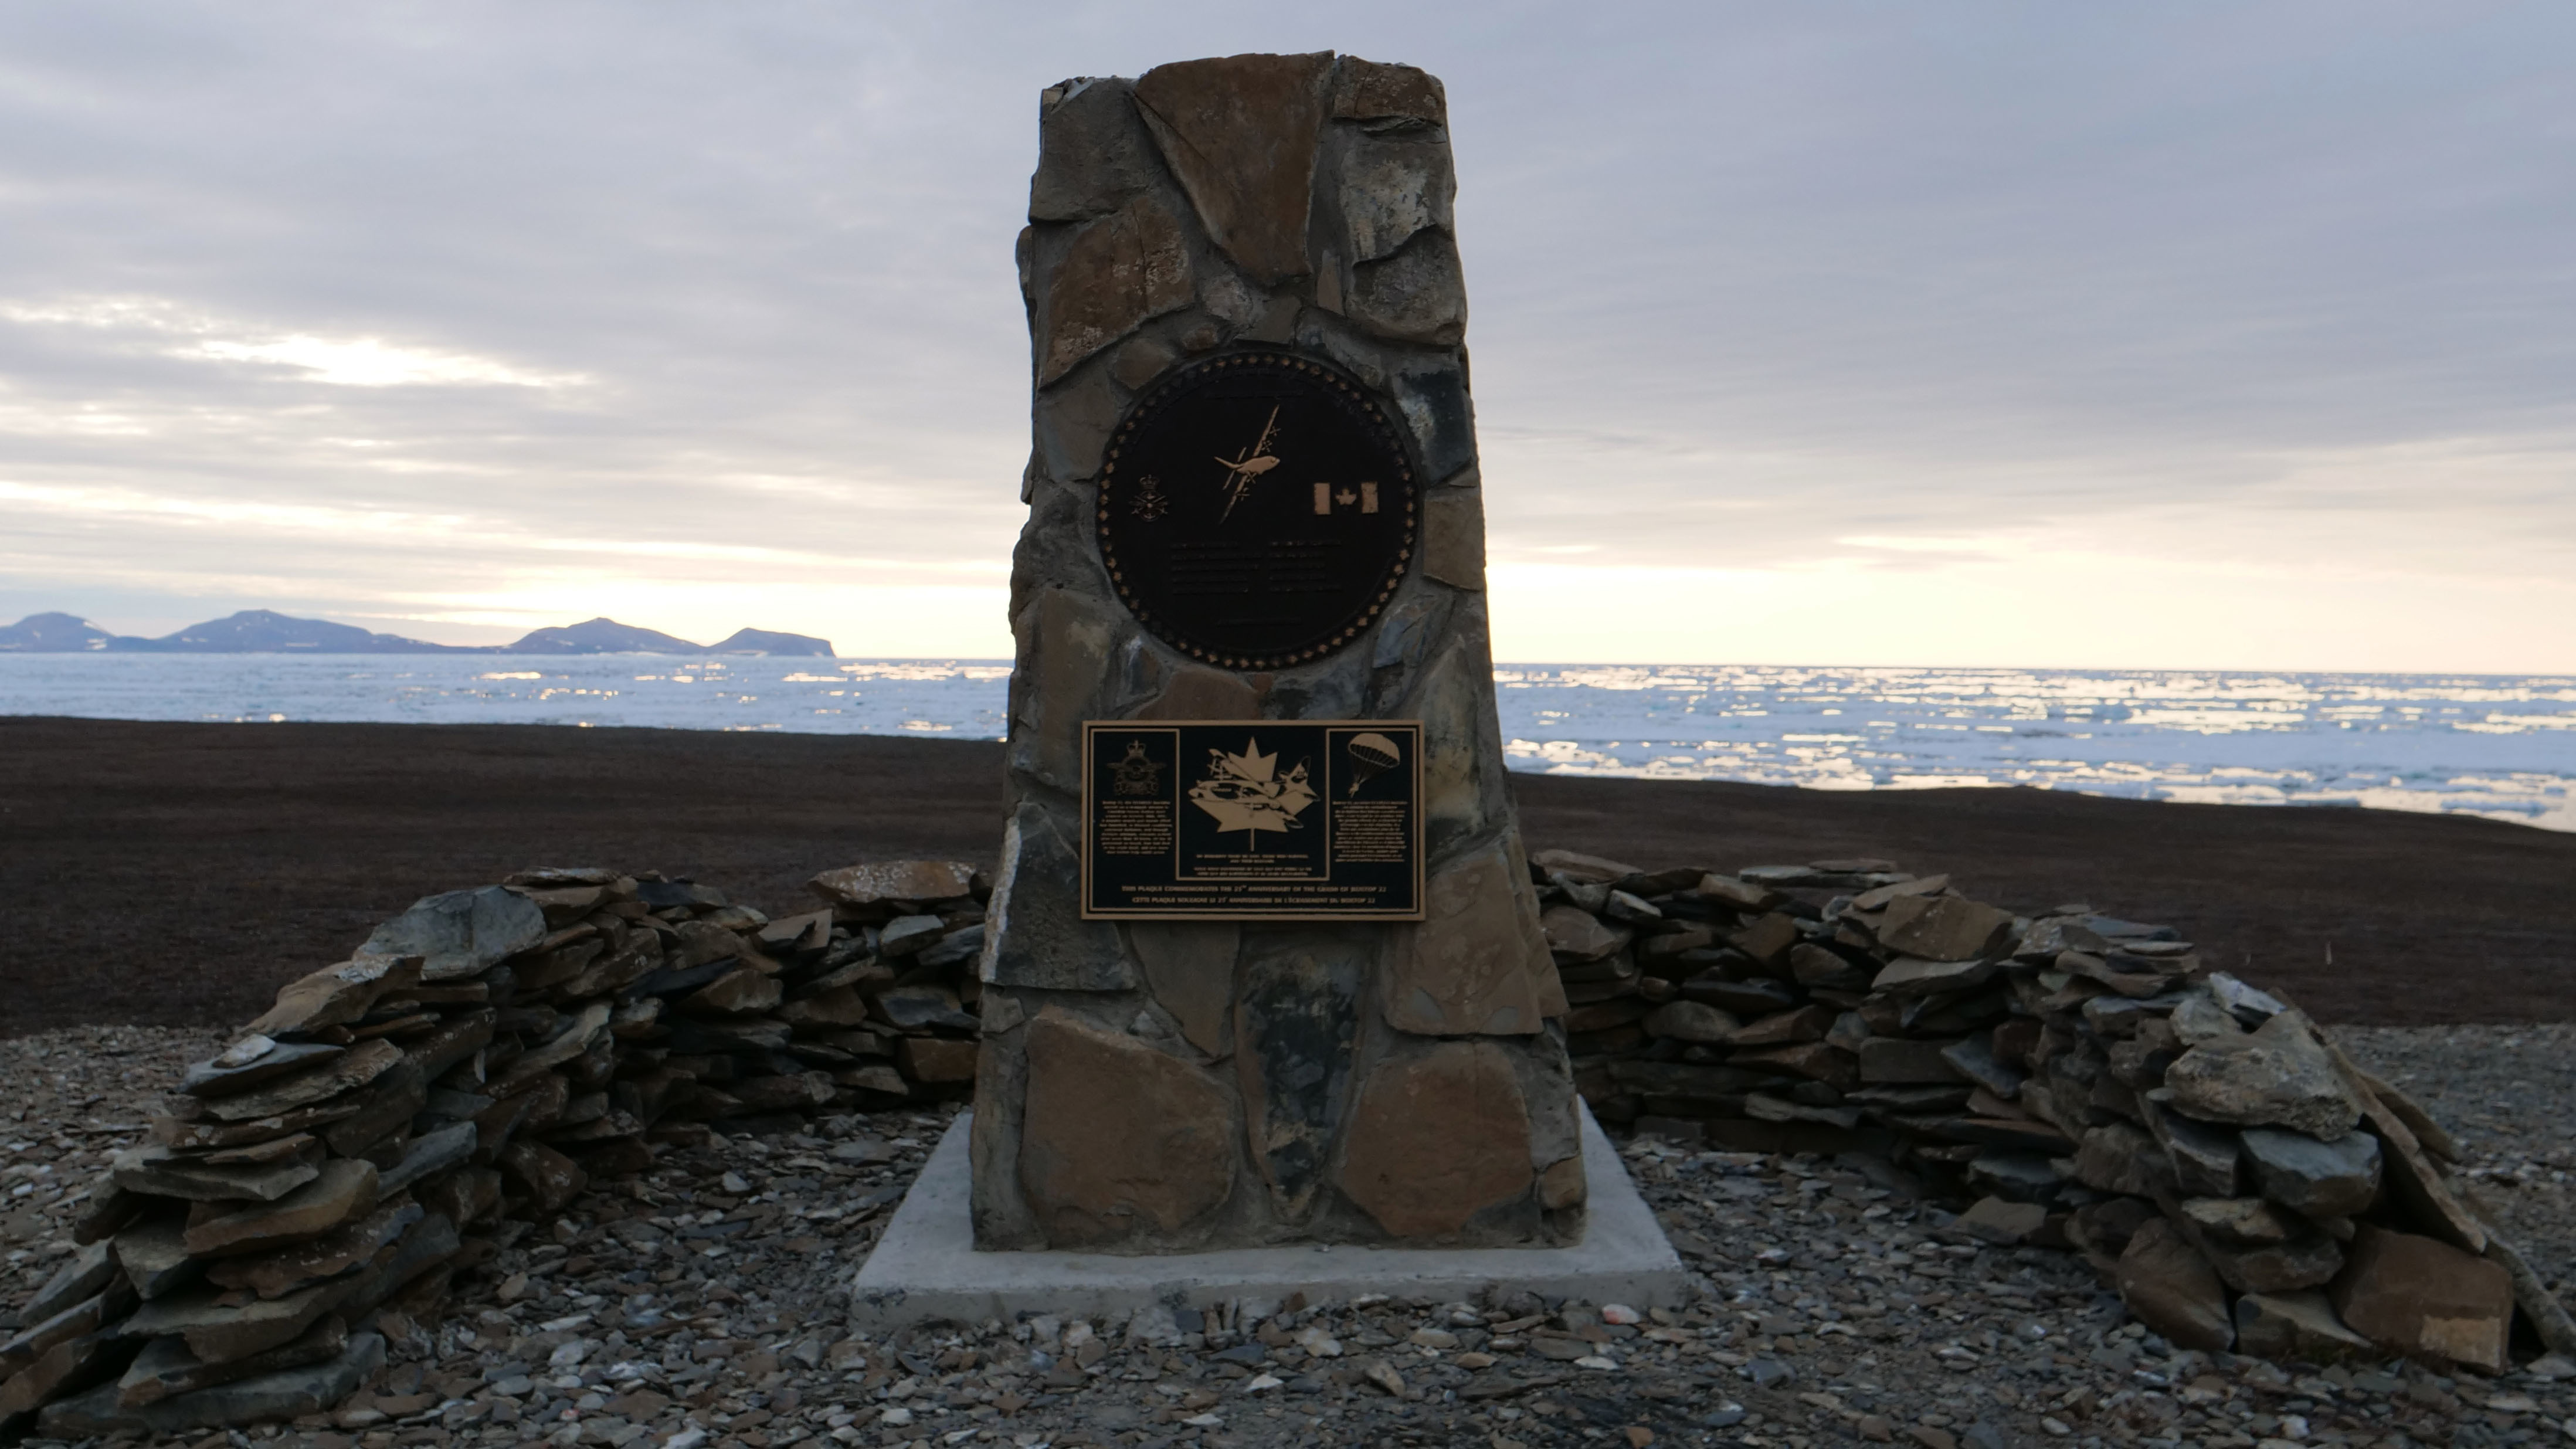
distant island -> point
(264, 631)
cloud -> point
(170, 330)
(442, 312)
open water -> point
(2496, 745)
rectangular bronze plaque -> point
(1252, 820)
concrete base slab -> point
(927, 1267)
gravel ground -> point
(701, 1306)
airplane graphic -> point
(1255, 461)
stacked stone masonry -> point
(1272, 1082)
(2085, 1080)
(2071, 1080)
(396, 1119)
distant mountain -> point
(607, 636)
(601, 636)
(770, 641)
(262, 631)
(53, 634)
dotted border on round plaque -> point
(1353, 391)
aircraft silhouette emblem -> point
(1241, 471)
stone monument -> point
(1263, 962)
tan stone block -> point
(2122, 1159)
(2297, 1326)
(40, 1338)
(1140, 362)
(1189, 965)
(877, 882)
(274, 1275)
(1092, 154)
(250, 1061)
(219, 1330)
(785, 1092)
(457, 1038)
(1783, 1028)
(1603, 1015)
(1815, 1060)
(1453, 537)
(362, 1064)
(2247, 1220)
(702, 942)
(738, 992)
(937, 1059)
(2420, 1296)
(1121, 270)
(1367, 90)
(1942, 928)
(1693, 1021)
(1544, 979)
(1562, 1185)
(1071, 421)
(1577, 935)
(60, 1369)
(1416, 295)
(154, 1255)
(2173, 1290)
(1465, 967)
(173, 1132)
(465, 1197)
(385, 1109)
(1436, 1139)
(2279, 1075)
(336, 995)
(1589, 869)
(346, 1189)
(166, 1368)
(570, 1040)
(1035, 935)
(1120, 1142)
(552, 1180)
(1394, 187)
(840, 1006)
(1768, 938)
(1064, 646)
(1240, 134)
(1196, 693)
(163, 1173)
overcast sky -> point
(2111, 335)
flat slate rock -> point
(282, 1395)
(460, 933)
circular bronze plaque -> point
(1257, 510)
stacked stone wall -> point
(396, 1118)
(2076, 1080)
(2070, 1080)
